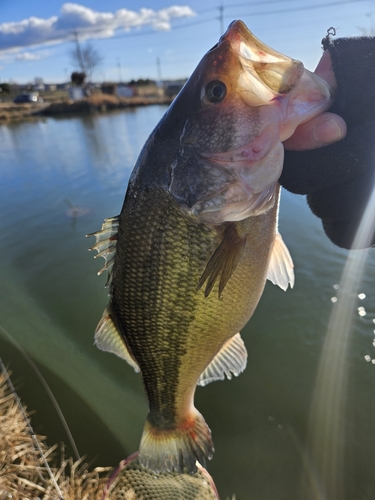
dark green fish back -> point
(160, 258)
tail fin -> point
(176, 449)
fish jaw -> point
(267, 96)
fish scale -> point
(158, 298)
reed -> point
(30, 471)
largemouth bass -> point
(189, 255)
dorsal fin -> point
(107, 338)
(106, 240)
(280, 268)
(223, 261)
(231, 359)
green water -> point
(51, 301)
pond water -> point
(51, 301)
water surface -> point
(51, 301)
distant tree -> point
(38, 80)
(85, 57)
(5, 87)
(78, 77)
(142, 82)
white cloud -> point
(27, 56)
(89, 23)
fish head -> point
(241, 102)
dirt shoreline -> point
(10, 112)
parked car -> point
(26, 98)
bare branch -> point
(86, 57)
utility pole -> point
(158, 69)
(221, 18)
(79, 52)
(119, 70)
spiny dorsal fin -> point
(106, 240)
(231, 359)
(223, 261)
(280, 268)
(107, 338)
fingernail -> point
(327, 132)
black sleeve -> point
(338, 179)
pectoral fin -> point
(223, 261)
(107, 338)
(231, 359)
(280, 268)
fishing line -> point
(47, 388)
(31, 430)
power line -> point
(308, 7)
(264, 2)
(221, 17)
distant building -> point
(124, 90)
(39, 86)
(76, 93)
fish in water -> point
(189, 255)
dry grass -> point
(10, 111)
(23, 473)
(96, 103)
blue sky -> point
(36, 36)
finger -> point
(325, 70)
(322, 130)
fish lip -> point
(236, 29)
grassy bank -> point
(97, 103)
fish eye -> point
(215, 91)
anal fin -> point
(107, 338)
(231, 359)
(223, 261)
(280, 268)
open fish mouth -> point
(267, 73)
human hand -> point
(325, 128)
